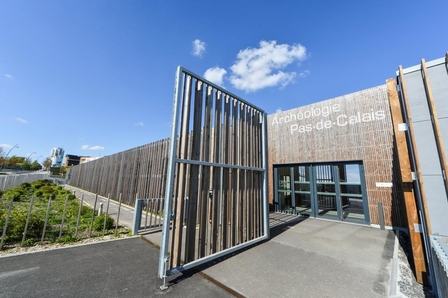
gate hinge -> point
(402, 127)
(418, 228)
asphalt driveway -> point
(119, 268)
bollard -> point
(381, 215)
(100, 209)
(137, 215)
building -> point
(72, 160)
(375, 157)
(56, 156)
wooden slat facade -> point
(140, 171)
(353, 127)
(218, 176)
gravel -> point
(6, 251)
(407, 285)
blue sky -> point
(97, 77)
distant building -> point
(73, 160)
(56, 156)
(88, 158)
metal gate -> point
(216, 190)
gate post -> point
(139, 203)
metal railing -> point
(440, 261)
(147, 216)
(50, 224)
(13, 180)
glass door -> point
(353, 202)
(284, 201)
(326, 196)
(302, 190)
(333, 191)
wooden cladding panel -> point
(217, 187)
(353, 127)
(139, 171)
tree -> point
(47, 163)
(15, 161)
(35, 166)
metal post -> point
(46, 220)
(93, 216)
(107, 213)
(27, 220)
(170, 175)
(6, 222)
(63, 217)
(163, 287)
(265, 176)
(79, 215)
(118, 214)
(146, 216)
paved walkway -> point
(309, 258)
(126, 217)
(124, 213)
(118, 268)
(304, 257)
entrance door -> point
(352, 191)
(327, 198)
(302, 190)
(332, 191)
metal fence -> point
(11, 181)
(145, 218)
(39, 228)
(440, 262)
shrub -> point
(25, 185)
(17, 193)
(16, 225)
(39, 183)
(98, 223)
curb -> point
(394, 273)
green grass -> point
(42, 191)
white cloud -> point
(87, 147)
(8, 76)
(258, 68)
(279, 110)
(215, 75)
(6, 146)
(21, 120)
(198, 48)
(140, 124)
(304, 74)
